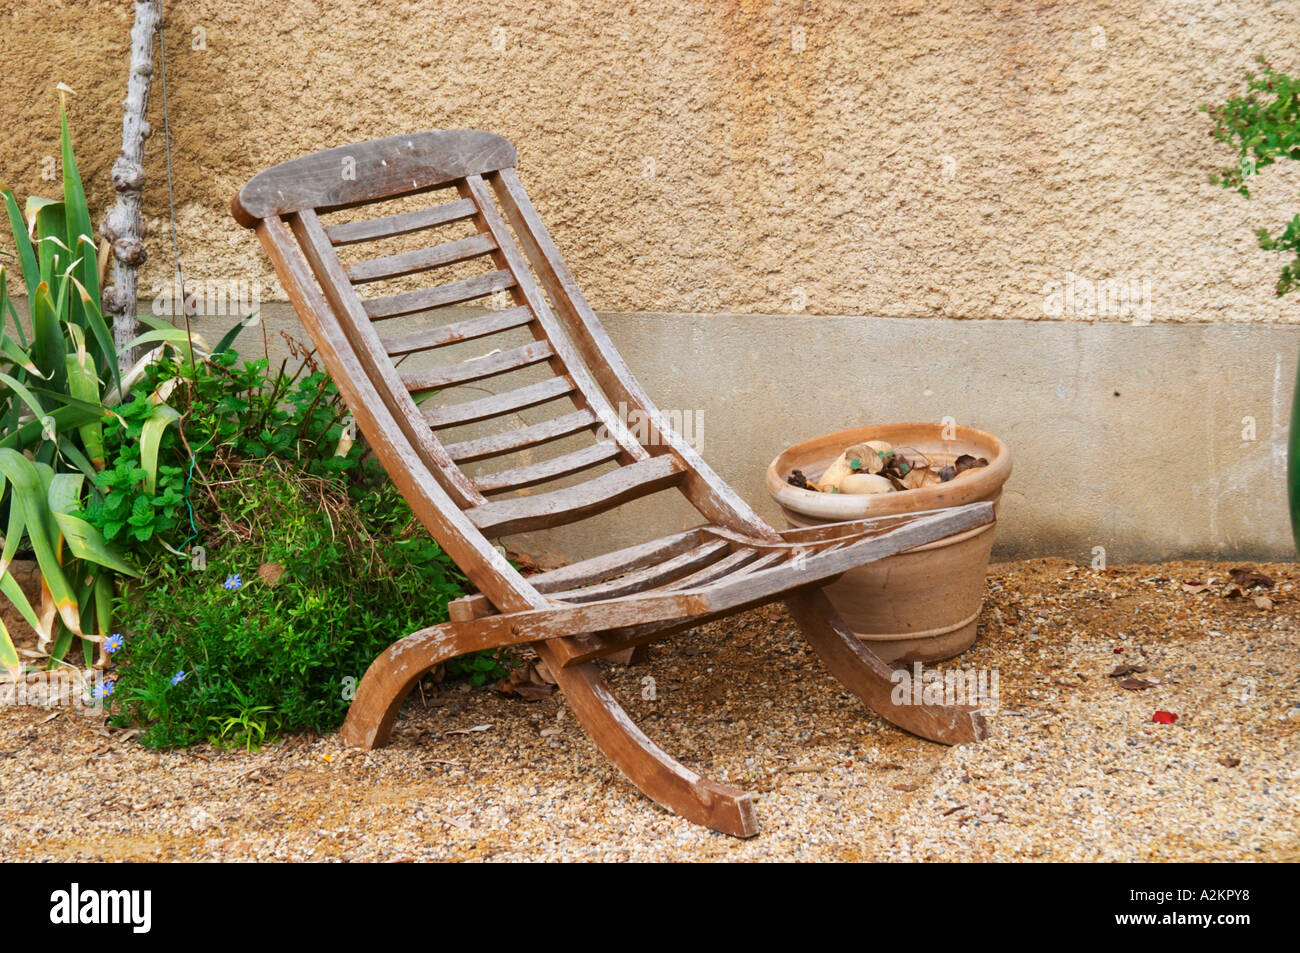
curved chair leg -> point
(658, 776)
(392, 675)
(867, 676)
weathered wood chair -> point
(599, 606)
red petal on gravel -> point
(1164, 718)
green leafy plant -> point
(1263, 126)
(56, 388)
(303, 586)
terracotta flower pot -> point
(921, 605)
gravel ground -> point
(1076, 768)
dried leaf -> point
(1126, 669)
(1228, 761)
(910, 458)
(915, 477)
(1195, 586)
(526, 682)
(466, 731)
(1247, 578)
(1136, 684)
(968, 462)
(863, 459)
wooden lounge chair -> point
(597, 607)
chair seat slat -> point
(484, 408)
(388, 226)
(551, 469)
(456, 332)
(456, 292)
(608, 565)
(421, 259)
(519, 515)
(587, 571)
(478, 368)
(512, 440)
(723, 567)
(651, 577)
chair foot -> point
(390, 678)
(661, 778)
(864, 673)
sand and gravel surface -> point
(1076, 768)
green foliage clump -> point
(1263, 125)
(303, 586)
(227, 409)
(133, 511)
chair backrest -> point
(470, 175)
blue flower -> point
(114, 643)
(178, 677)
(233, 582)
(104, 688)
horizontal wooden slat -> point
(503, 517)
(402, 224)
(765, 561)
(651, 576)
(753, 587)
(513, 440)
(457, 292)
(608, 565)
(874, 525)
(722, 567)
(483, 408)
(551, 469)
(477, 368)
(457, 331)
(421, 259)
(586, 571)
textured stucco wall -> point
(904, 158)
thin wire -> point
(176, 263)
(171, 194)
